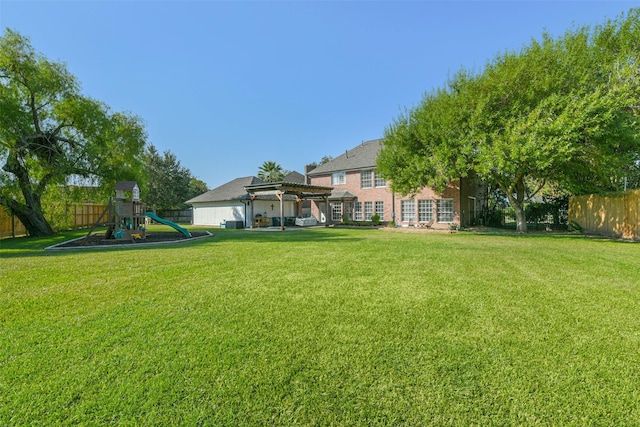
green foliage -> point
(554, 211)
(375, 219)
(560, 111)
(197, 187)
(313, 331)
(50, 133)
(270, 171)
(325, 159)
(168, 183)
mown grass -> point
(322, 327)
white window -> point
(339, 178)
(368, 211)
(425, 210)
(365, 179)
(380, 182)
(408, 210)
(445, 210)
(336, 212)
(380, 209)
(357, 211)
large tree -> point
(168, 184)
(561, 111)
(49, 133)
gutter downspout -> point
(393, 207)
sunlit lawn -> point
(322, 327)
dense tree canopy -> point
(49, 133)
(561, 111)
(168, 183)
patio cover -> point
(300, 190)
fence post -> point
(13, 226)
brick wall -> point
(391, 202)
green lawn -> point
(322, 327)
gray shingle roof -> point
(363, 156)
(341, 195)
(232, 190)
(294, 177)
(125, 185)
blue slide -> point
(169, 223)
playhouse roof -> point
(126, 185)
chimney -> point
(307, 169)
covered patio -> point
(281, 189)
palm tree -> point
(270, 172)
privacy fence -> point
(10, 226)
(610, 215)
(75, 216)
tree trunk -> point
(521, 220)
(30, 213)
(32, 219)
(517, 203)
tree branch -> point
(34, 111)
(544, 182)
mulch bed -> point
(98, 239)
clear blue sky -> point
(227, 85)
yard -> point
(322, 327)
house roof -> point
(294, 177)
(235, 189)
(232, 190)
(364, 156)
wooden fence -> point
(81, 215)
(611, 215)
(87, 214)
(10, 226)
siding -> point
(214, 213)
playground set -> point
(126, 217)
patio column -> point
(327, 210)
(251, 211)
(280, 196)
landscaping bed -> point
(98, 239)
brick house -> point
(358, 193)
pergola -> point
(280, 189)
